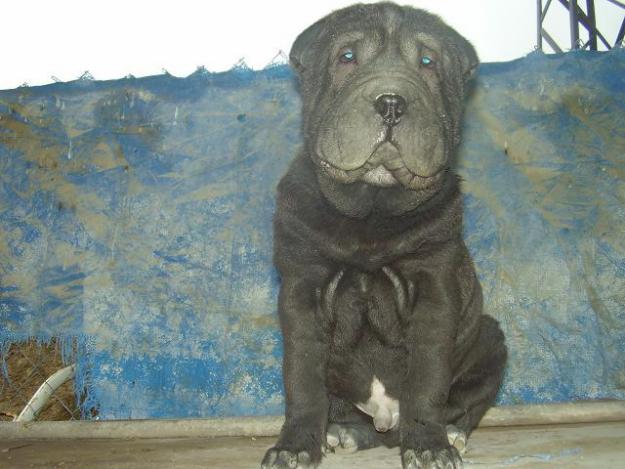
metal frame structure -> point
(577, 16)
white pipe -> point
(43, 394)
(573, 412)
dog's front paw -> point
(300, 445)
(446, 458)
(281, 458)
(350, 437)
(427, 446)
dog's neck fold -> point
(360, 200)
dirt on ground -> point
(25, 366)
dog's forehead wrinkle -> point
(339, 37)
(428, 41)
(358, 39)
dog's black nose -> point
(391, 107)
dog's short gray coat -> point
(385, 341)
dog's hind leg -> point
(475, 388)
(349, 429)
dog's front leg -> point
(430, 340)
(304, 368)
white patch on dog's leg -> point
(400, 291)
(383, 409)
(332, 440)
(330, 291)
(332, 436)
(457, 438)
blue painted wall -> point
(135, 219)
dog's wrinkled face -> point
(383, 89)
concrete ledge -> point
(578, 412)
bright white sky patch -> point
(64, 38)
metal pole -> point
(574, 24)
(620, 35)
(539, 25)
(592, 20)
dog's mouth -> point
(383, 168)
(357, 143)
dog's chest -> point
(355, 301)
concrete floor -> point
(563, 446)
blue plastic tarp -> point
(135, 220)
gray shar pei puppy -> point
(385, 341)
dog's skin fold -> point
(385, 341)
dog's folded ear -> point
(464, 55)
(470, 60)
(462, 66)
(304, 48)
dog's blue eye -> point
(427, 60)
(347, 57)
